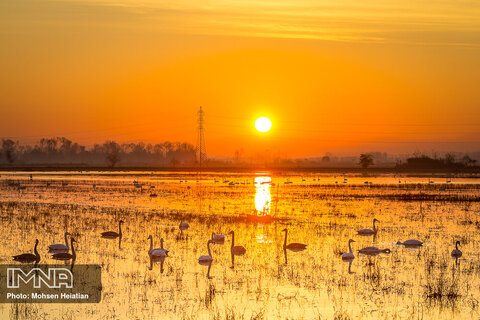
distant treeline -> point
(448, 162)
(62, 151)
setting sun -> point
(263, 124)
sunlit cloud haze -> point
(338, 76)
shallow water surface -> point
(322, 211)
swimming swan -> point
(292, 246)
(456, 253)
(410, 243)
(157, 252)
(218, 237)
(183, 226)
(113, 234)
(28, 257)
(206, 259)
(349, 255)
(60, 246)
(236, 250)
(373, 251)
(66, 255)
(369, 231)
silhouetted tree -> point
(60, 150)
(8, 149)
(48, 145)
(450, 159)
(448, 162)
(366, 160)
(467, 161)
(112, 152)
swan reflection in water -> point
(113, 238)
(119, 241)
(286, 255)
(457, 262)
(349, 261)
(157, 259)
(61, 255)
(209, 264)
(111, 235)
(232, 256)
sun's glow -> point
(263, 124)
(263, 197)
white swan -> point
(60, 246)
(349, 255)
(369, 231)
(206, 259)
(66, 255)
(456, 253)
(157, 252)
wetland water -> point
(322, 211)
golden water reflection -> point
(267, 281)
(263, 197)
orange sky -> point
(334, 76)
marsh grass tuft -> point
(441, 288)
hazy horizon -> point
(63, 149)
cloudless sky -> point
(334, 76)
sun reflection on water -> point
(263, 197)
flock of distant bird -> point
(373, 251)
(61, 251)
